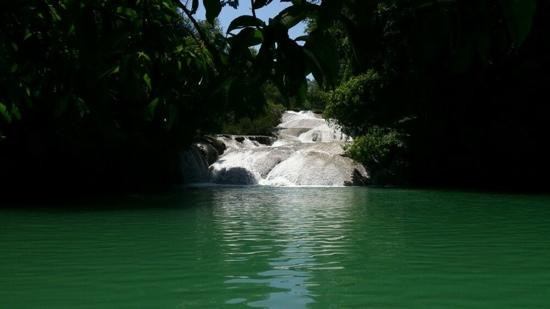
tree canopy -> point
(115, 89)
(461, 83)
(120, 87)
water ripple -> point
(282, 248)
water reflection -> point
(285, 237)
(286, 276)
(282, 248)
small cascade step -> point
(307, 151)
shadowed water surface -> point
(280, 248)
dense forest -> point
(447, 92)
(104, 95)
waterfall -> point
(307, 151)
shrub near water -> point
(356, 105)
(381, 151)
(262, 124)
(465, 80)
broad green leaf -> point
(194, 6)
(147, 80)
(143, 55)
(110, 71)
(213, 9)
(54, 14)
(15, 113)
(28, 34)
(151, 108)
(295, 14)
(82, 107)
(324, 56)
(245, 21)
(4, 113)
(519, 17)
(260, 3)
(248, 37)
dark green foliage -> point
(113, 90)
(107, 93)
(358, 103)
(382, 152)
(261, 3)
(245, 21)
(331, 52)
(262, 124)
(463, 79)
(102, 83)
(213, 9)
(315, 97)
(264, 121)
(519, 18)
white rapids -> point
(307, 152)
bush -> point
(355, 103)
(315, 97)
(262, 124)
(382, 152)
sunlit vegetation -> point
(110, 92)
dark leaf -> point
(194, 6)
(4, 114)
(213, 9)
(261, 3)
(151, 108)
(519, 17)
(232, 3)
(247, 37)
(129, 13)
(322, 52)
(295, 14)
(245, 21)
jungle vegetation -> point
(446, 92)
(110, 92)
(435, 92)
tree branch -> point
(211, 48)
(252, 8)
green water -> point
(280, 248)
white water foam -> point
(307, 152)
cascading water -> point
(306, 152)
